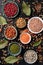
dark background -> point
(23, 62)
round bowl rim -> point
(13, 37)
(24, 42)
(16, 53)
(17, 7)
(30, 29)
(34, 60)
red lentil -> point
(10, 9)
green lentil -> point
(14, 48)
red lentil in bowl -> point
(11, 9)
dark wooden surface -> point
(22, 62)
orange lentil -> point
(26, 30)
(25, 37)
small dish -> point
(9, 10)
(21, 23)
(10, 33)
(25, 38)
(30, 56)
(35, 25)
(14, 49)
